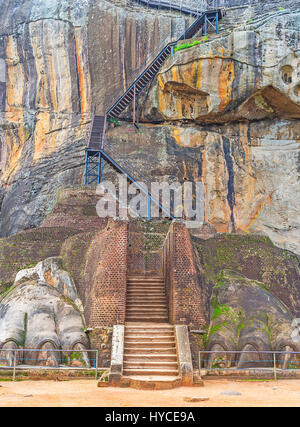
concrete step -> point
(150, 371)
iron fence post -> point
(14, 371)
(96, 365)
(199, 362)
(149, 207)
(274, 361)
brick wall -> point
(186, 302)
(105, 276)
(145, 241)
(101, 339)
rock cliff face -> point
(227, 112)
(57, 58)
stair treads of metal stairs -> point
(146, 300)
(150, 351)
(97, 132)
(140, 83)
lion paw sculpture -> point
(42, 311)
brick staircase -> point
(146, 300)
(149, 342)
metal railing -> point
(48, 359)
(137, 73)
(254, 362)
(183, 6)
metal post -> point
(205, 25)
(199, 356)
(217, 23)
(134, 105)
(86, 168)
(99, 168)
(15, 361)
(96, 365)
(149, 207)
(274, 360)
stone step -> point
(151, 344)
(163, 338)
(139, 304)
(147, 296)
(142, 318)
(141, 286)
(145, 278)
(132, 293)
(148, 330)
(167, 333)
(151, 371)
(149, 350)
(146, 310)
(148, 365)
(144, 281)
(146, 303)
(147, 299)
(153, 382)
(146, 290)
(150, 357)
(131, 298)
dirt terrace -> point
(86, 393)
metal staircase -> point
(96, 151)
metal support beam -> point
(134, 104)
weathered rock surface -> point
(57, 59)
(50, 271)
(245, 316)
(42, 311)
(242, 90)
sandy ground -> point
(86, 393)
